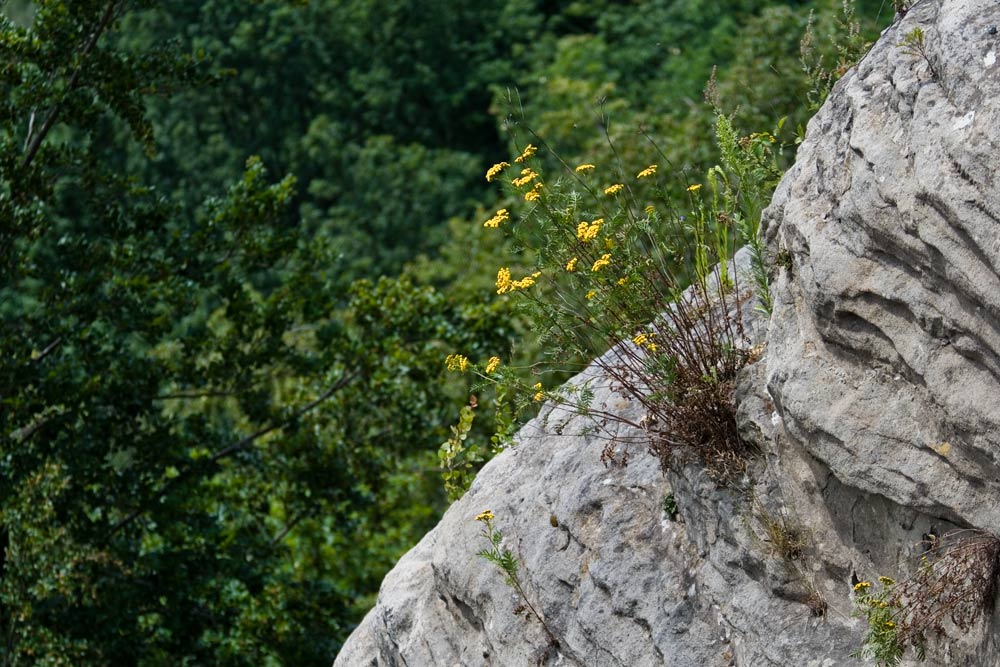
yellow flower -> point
(492, 172)
(527, 176)
(622, 281)
(862, 585)
(492, 364)
(587, 232)
(651, 347)
(648, 171)
(456, 362)
(584, 167)
(890, 624)
(694, 188)
(650, 210)
(591, 294)
(602, 262)
(501, 217)
(571, 264)
(505, 284)
(503, 280)
(539, 394)
(886, 581)
(614, 189)
(486, 516)
(528, 152)
(640, 339)
(534, 194)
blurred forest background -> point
(237, 240)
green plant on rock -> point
(955, 582)
(614, 250)
(914, 45)
(505, 561)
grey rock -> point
(884, 349)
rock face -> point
(874, 407)
(886, 333)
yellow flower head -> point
(622, 281)
(539, 393)
(456, 362)
(528, 152)
(614, 189)
(501, 217)
(640, 339)
(584, 167)
(651, 347)
(588, 231)
(534, 194)
(650, 210)
(503, 280)
(648, 171)
(602, 262)
(591, 294)
(492, 364)
(862, 585)
(694, 188)
(492, 172)
(527, 176)
(486, 516)
(571, 264)
(890, 624)
(886, 581)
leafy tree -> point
(197, 423)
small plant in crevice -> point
(779, 535)
(913, 45)
(507, 563)
(670, 507)
(953, 586)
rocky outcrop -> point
(874, 408)
(886, 332)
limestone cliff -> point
(875, 408)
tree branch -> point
(237, 446)
(36, 141)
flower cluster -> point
(492, 364)
(492, 172)
(501, 217)
(528, 152)
(602, 262)
(485, 516)
(456, 362)
(614, 189)
(648, 171)
(527, 176)
(571, 265)
(584, 167)
(534, 193)
(539, 393)
(588, 231)
(505, 284)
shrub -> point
(638, 259)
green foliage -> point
(207, 443)
(457, 458)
